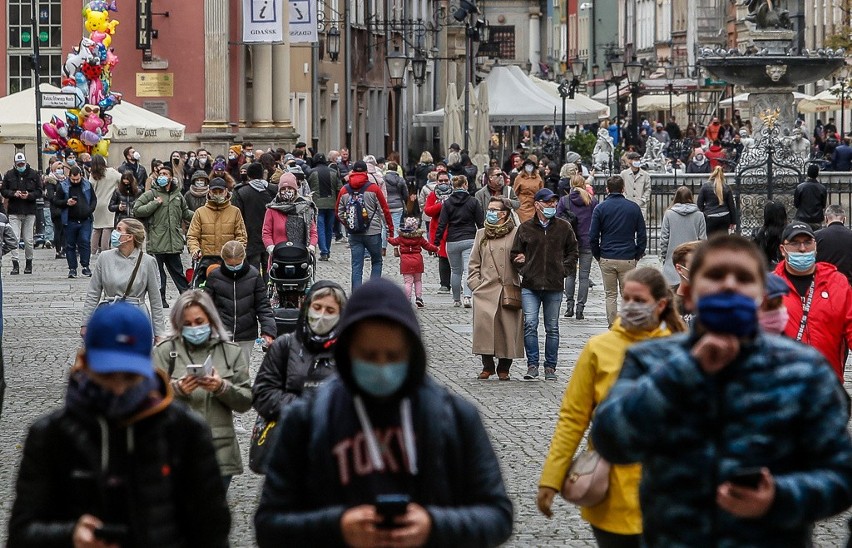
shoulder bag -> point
(510, 295)
(119, 298)
(587, 480)
(261, 434)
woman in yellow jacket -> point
(647, 303)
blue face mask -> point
(728, 313)
(549, 212)
(162, 180)
(379, 380)
(234, 268)
(197, 335)
(492, 217)
(72, 162)
(115, 238)
(801, 261)
(21, 169)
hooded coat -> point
(310, 480)
(164, 221)
(275, 222)
(681, 223)
(411, 245)
(325, 185)
(252, 198)
(241, 300)
(374, 201)
(177, 497)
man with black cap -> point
(544, 250)
(382, 455)
(212, 226)
(810, 199)
(122, 462)
(22, 187)
(819, 305)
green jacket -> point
(331, 191)
(164, 221)
(217, 409)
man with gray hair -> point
(834, 242)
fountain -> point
(763, 63)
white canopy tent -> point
(130, 123)
(824, 101)
(552, 89)
(514, 99)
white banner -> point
(263, 21)
(303, 21)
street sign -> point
(59, 100)
(25, 36)
(43, 36)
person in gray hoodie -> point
(682, 223)
(397, 194)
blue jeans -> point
(325, 230)
(78, 237)
(48, 225)
(550, 301)
(458, 254)
(359, 244)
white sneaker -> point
(467, 302)
(238, 425)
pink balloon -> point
(50, 130)
(93, 123)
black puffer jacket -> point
(173, 494)
(29, 181)
(461, 216)
(241, 295)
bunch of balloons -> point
(87, 75)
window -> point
(504, 37)
(20, 43)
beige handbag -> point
(587, 481)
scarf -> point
(258, 184)
(492, 232)
(199, 192)
(299, 214)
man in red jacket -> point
(819, 305)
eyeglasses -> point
(496, 210)
(804, 244)
(496, 176)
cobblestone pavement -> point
(42, 319)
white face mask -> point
(529, 168)
(320, 323)
(637, 165)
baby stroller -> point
(291, 274)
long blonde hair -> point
(718, 178)
(579, 183)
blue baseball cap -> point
(544, 195)
(775, 286)
(119, 339)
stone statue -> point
(799, 145)
(765, 16)
(604, 148)
(654, 160)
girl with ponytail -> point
(716, 200)
(647, 306)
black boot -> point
(28, 267)
(580, 315)
(15, 268)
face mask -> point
(72, 162)
(137, 156)
(115, 238)
(243, 177)
(202, 160)
(112, 405)
(234, 268)
(699, 158)
(773, 321)
(218, 198)
(529, 169)
(162, 180)
(321, 324)
(728, 313)
(637, 164)
(200, 183)
(287, 195)
(21, 169)
(379, 380)
(191, 158)
(548, 212)
(637, 316)
(175, 160)
(59, 174)
(492, 217)
(232, 156)
(443, 188)
(198, 334)
(801, 261)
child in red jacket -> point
(411, 243)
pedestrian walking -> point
(51, 183)
(498, 328)
(580, 204)
(325, 186)
(214, 392)
(433, 206)
(617, 237)
(196, 196)
(397, 196)
(240, 296)
(21, 189)
(495, 186)
(648, 312)
(716, 201)
(123, 198)
(435, 468)
(544, 249)
(75, 197)
(834, 242)
(810, 199)
(527, 183)
(104, 181)
(768, 236)
(682, 222)
(133, 163)
(637, 183)
(251, 199)
(461, 216)
(166, 211)
(411, 244)
(705, 405)
(126, 273)
(120, 463)
(698, 163)
(290, 218)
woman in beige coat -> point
(497, 331)
(526, 184)
(104, 182)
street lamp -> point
(418, 67)
(616, 67)
(567, 90)
(396, 62)
(333, 43)
(670, 76)
(634, 76)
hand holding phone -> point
(747, 477)
(389, 507)
(111, 533)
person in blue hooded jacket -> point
(382, 428)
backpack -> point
(357, 219)
(571, 217)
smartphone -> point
(389, 507)
(747, 477)
(111, 533)
(195, 369)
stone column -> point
(535, 40)
(261, 85)
(281, 114)
(216, 97)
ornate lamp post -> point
(333, 43)
(670, 76)
(634, 76)
(396, 63)
(617, 70)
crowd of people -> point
(717, 388)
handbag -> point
(123, 297)
(510, 295)
(261, 436)
(587, 480)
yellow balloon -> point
(76, 145)
(101, 148)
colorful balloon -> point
(102, 148)
(90, 138)
(49, 130)
(76, 145)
